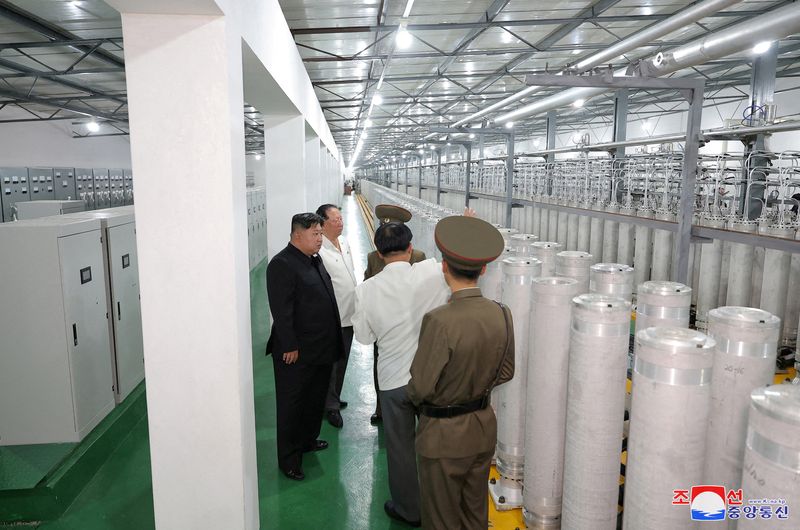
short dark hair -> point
(392, 237)
(322, 211)
(304, 221)
(463, 274)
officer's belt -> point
(451, 411)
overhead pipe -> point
(771, 26)
(647, 35)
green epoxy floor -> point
(24, 466)
(345, 486)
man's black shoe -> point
(342, 404)
(375, 419)
(335, 418)
(294, 474)
(318, 445)
(388, 507)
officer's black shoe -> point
(316, 445)
(342, 404)
(388, 507)
(335, 418)
(294, 474)
(375, 419)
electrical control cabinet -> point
(40, 180)
(121, 272)
(15, 189)
(84, 183)
(102, 188)
(256, 225)
(116, 180)
(55, 360)
(36, 209)
(64, 183)
(128, 186)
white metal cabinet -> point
(55, 364)
(46, 208)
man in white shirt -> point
(388, 310)
(338, 261)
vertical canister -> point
(610, 236)
(595, 408)
(584, 229)
(545, 251)
(710, 271)
(572, 230)
(563, 228)
(545, 421)
(507, 233)
(772, 456)
(741, 266)
(662, 248)
(522, 244)
(626, 245)
(642, 250)
(614, 279)
(596, 237)
(491, 283)
(518, 274)
(575, 264)
(662, 304)
(744, 359)
(670, 402)
(552, 225)
(777, 267)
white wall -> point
(50, 144)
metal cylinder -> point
(642, 254)
(777, 267)
(563, 228)
(744, 359)
(552, 225)
(574, 264)
(662, 248)
(772, 455)
(792, 312)
(572, 231)
(523, 244)
(536, 219)
(626, 244)
(741, 266)
(710, 269)
(584, 231)
(491, 282)
(518, 274)
(610, 237)
(596, 237)
(595, 408)
(507, 233)
(661, 304)
(614, 279)
(551, 311)
(545, 251)
(544, 223)
(670, 401)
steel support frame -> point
(692, 91)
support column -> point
(620, 121)
(439, 177)
(509, 179)
(286, 179)
(317, 179)
(185, 95)
(419, 179)
(467, 175)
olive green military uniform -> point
(386, 213)
(465, 348)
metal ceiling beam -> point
(54, 44)
(65, 105)
(51, 31)
(484, 24)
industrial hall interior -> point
(450, 264)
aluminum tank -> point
(575, 264)
(777, 267)
(661, 304)
(671, 398)
(626, 244)
(507, 233)
(662, 248)
(584, 229)
(546, 411)
(572, 230)
(642, 251)
(563, 228)
(744, 359)
(710, 271)
(772, 456)
(552, 225)
(741, 266)
(595, 407)
(614, 279)
(523, 244)
(545, 251)
(491, 283)
(596, 238)
(518, 274)
(610, 237)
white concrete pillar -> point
(184, 77)
(286, 179)
(314, 175)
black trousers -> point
(300, 391)
(337, 374)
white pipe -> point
(770, 26)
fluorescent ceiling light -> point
(407, 11)
(404, 39)
(472, 135)
(377, 99)
(509, 124)
(368, 123)
(537, 143)
(761, 47)
(93, 126)
(578, 103)
(575, 52)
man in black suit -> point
(306, 340)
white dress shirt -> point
(389, 311)
(340, 266)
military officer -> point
(466, 348)
(386, 213)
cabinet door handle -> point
(119, 312)
(75, 334)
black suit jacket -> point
(304, 311)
